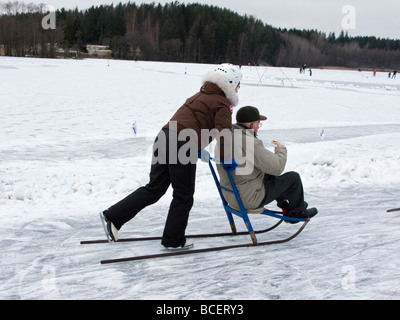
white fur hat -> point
(226, 77)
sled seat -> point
(241, 211)
(251, 211)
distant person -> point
(261, 180)
(394, 74)
(210, 108)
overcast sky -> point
(380, 18)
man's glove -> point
(229, 165)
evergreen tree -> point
(186, 32)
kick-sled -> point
(242, 212)
(230, 211)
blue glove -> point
(229, 165)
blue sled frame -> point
(241, 211)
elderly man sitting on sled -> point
(258, 175)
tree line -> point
(184, 33)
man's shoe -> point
(308, 213)
(188, 244)
(311, 212)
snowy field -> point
(68, 151)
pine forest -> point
(192, 33)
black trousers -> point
(162, 175)
(287, 187)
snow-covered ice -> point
(68, 151)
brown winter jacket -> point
(209, 109)
(254, 161)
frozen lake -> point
(68, 151)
